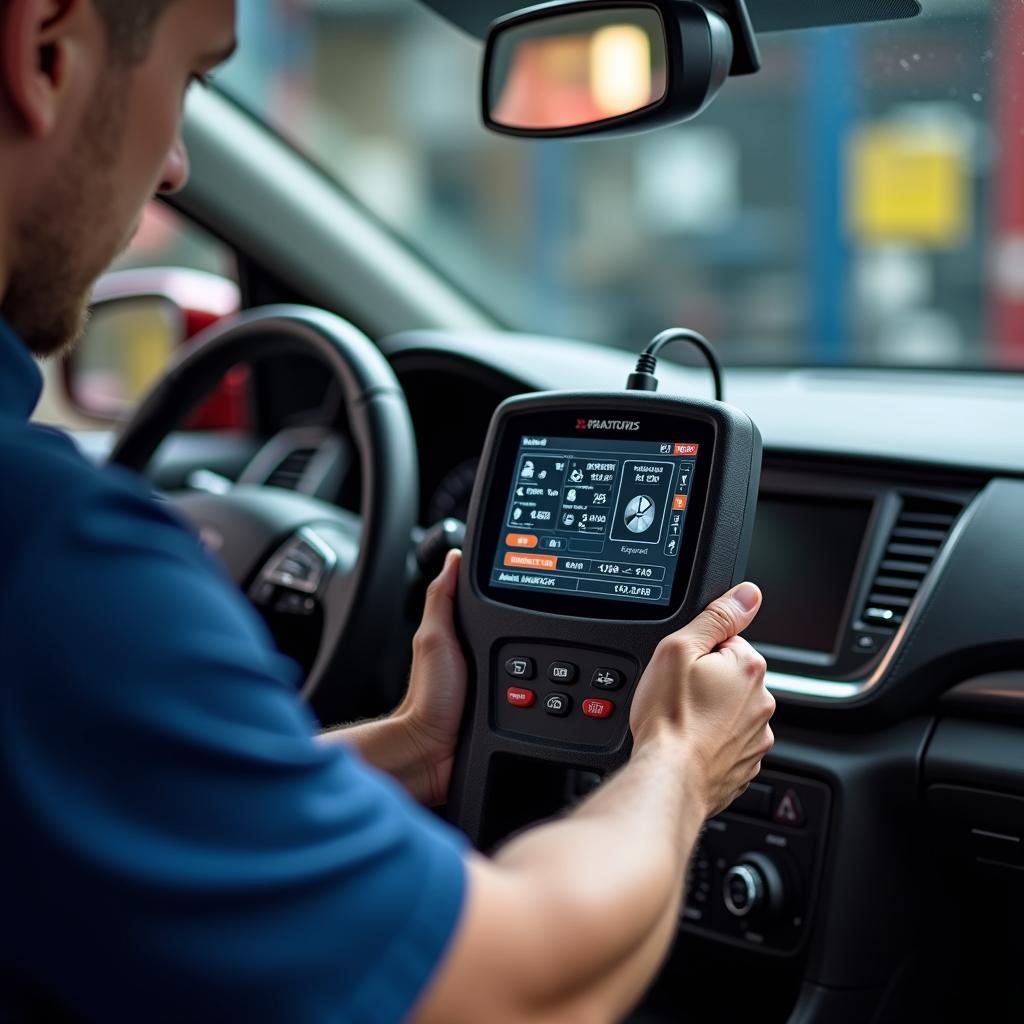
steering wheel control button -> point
(301, 564)
(558, 704)
(596, 708)
(607, 679)
(295, 604)
(520, 698)
(521, 668)
(562, 672)
(789, 810)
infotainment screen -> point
(804, 554)
(596, 518)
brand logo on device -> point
(623, 425)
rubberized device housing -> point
(602, 636)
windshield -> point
(859, 202)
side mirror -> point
(127, 345)
(139, 319)
(572, 68)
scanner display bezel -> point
(653, 427)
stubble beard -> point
(65, 240)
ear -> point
(41, 43)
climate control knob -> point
(754, 885)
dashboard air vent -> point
(290, 472)
(920, 531)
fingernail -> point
(450, 557)
(747, 596)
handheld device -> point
(599, 523)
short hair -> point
(129, 25)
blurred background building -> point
(859, 201)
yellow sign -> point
(909, 184)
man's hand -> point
(432, 709)
(416, 744)
(538, 940)
(705, 688)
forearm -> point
(612, 875)
(572, 919)
(390, 744)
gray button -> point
(520, 668)
(558, 704)
(562, 672)
(607, 679)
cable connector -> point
(643, 378)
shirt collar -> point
(21, 382)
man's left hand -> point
(416, 744)
(432, 709)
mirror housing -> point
(138, 321)
(575, 68)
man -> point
(177, 844)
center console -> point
(753, 878)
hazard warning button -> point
(789, 810)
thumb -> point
(439, 606)
(722, 619)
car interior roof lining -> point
(767, 15)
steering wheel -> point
(287, 550)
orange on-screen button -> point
(679, 502)
(521, 540)
(517, 561)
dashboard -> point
(866, 493)
(890, 547)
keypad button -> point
(519, 698)
(595, 708)
(562, 672)
(520, 668)
(607, 679)
(558, 704)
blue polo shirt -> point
(174, 843)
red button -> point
(520, 698)
(594, 708)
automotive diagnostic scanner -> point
(599, 523)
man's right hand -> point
(705, 688)
(571, 919)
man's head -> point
(91, 95)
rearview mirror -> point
(573, 68)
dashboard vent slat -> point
(919, 534)
(290, 472)
(901, 565)
(913, 550)
(942, 520)
(921, 529)
(897, 584)
(890, 600)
